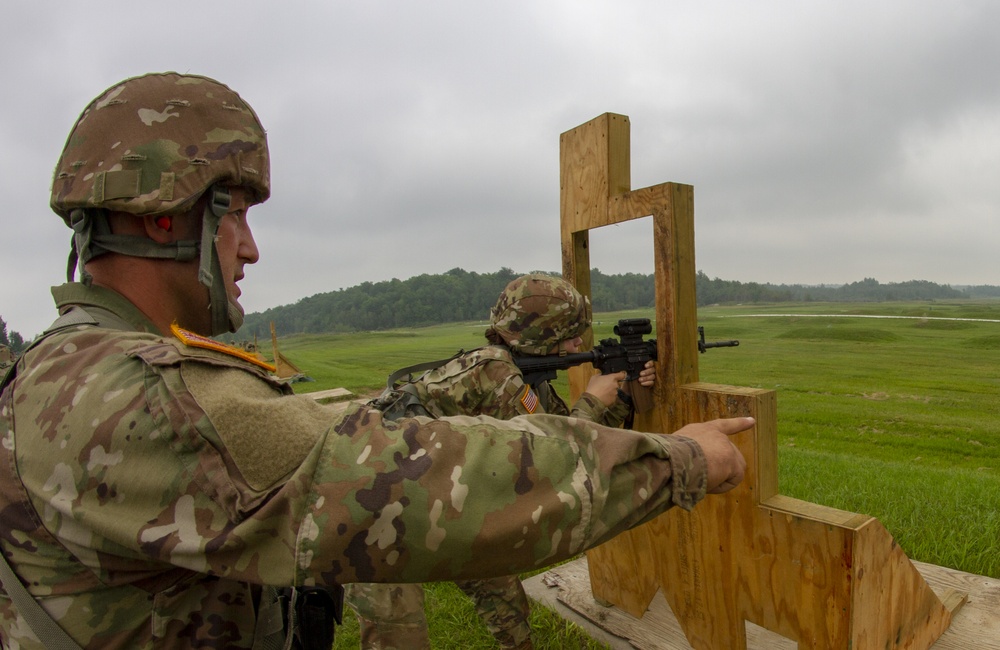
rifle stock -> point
(538, 369)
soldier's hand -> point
(647, 376)
(605, 387)
(726, 464)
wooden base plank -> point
(566, 589)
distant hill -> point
(460, 295)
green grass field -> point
(885, 409)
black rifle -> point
(629, 353)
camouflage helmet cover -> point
(537, 311)
(154, 144)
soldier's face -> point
(236, 248)
(235, 243)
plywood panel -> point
(822, 577)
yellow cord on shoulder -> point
(198, 341)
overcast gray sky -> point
(826, 142)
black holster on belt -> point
(317, 611)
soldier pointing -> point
(163, 490)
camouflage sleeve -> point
(256, 485)
(482, 382)
(420, 499)
(505, 394)
(593, 409)
(472, 497)
(590, 408)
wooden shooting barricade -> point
(283, 367)
(821, 577)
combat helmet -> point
(154, 145)
(537, 311)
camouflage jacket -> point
(150, 487)
(486, 381)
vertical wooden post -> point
(820, 576)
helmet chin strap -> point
(226, 316)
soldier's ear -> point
(159, 228)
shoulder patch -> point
(198, 341)
(529, 399)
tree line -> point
(14, 341)
(718, 291)
(459, 295)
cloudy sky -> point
(826, 142)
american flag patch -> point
(529, 399)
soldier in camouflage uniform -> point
(159, 486)
(536, 314)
